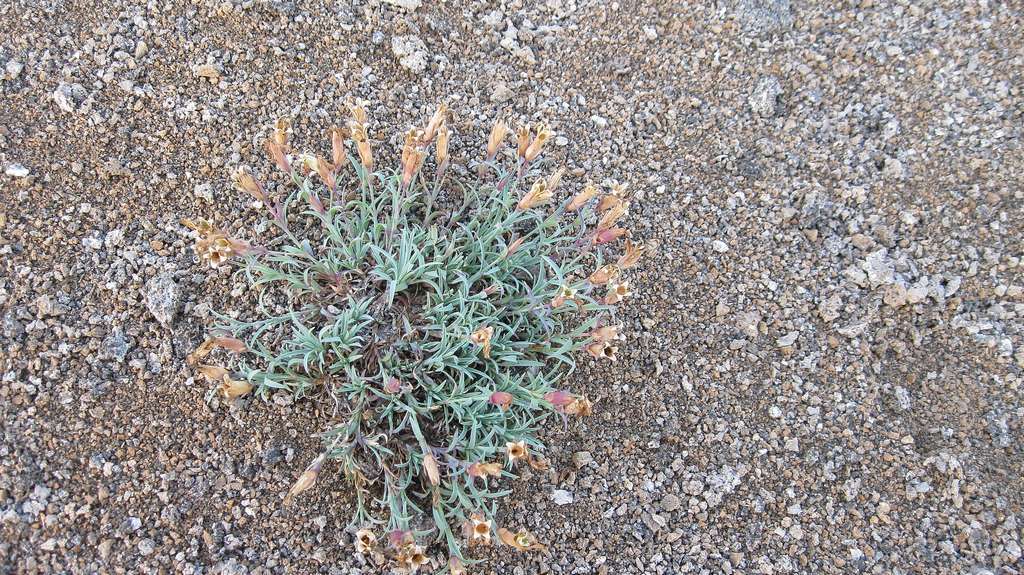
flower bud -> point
(502, 399)
(306, 480)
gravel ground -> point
(825, 369)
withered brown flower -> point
(564, 294)
(431, 469)
(435, 123)
(482, 337)
(516, 450)
(213, 372)
(607, 333)
(581, 199)
(233, 388)
(612, 215)
(617, 291)
(604, 274)
(539, 194)
(307, 479)
(631, 256)
(608, 235)
(614, 198)
(522, 140)
(479, 529)
(498, 133)
(580, 406)
(537, 145)
(365, 541)
(523, 540)
(484, 470)
(602, 350)
(244, 181)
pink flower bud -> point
(559, 399)
(501, 398)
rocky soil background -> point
(825, 366)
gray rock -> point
(763, 16)
(582, 459)
(670, 502)
(409, 5)
(561, 497)
(16, 171)
(69, 96)
(162, 297)
(878, 268)
(764, 99)
(116, 346)
(14, 69)
(411, 53)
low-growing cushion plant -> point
(437, 311)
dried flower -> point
(436, 121)
(564, 294)
(602, 350)
(455, 567)
(431, 469)
(516, 450)
(580, 406)
(212, 343)
(617, 292)
(484, 470)
(607, 333)
(442, 148)
(229, 343)
(498, 133)
(613, 215)
(543, 134)
(214, 246)
(233, 388)
(357, 129)
(307, 479)
(616, 197)
(365, 541)
(479, 529)
(522, 140)
(248, 184)
(337, 146)
(604, 236)
(277, 145)
(482, 337)
(538, 463)
(502, 399)
(604, 274)
(213, 372)
(555, 179)
(358, 110)
(412, 156)
(393, 385)
(282, 130)
(631, 256)
(539, 194)
(326, 171)
(581, 199)
(362, 141)
(411, 558)
(513, 247)
(523, 540)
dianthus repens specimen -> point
(436, 313)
